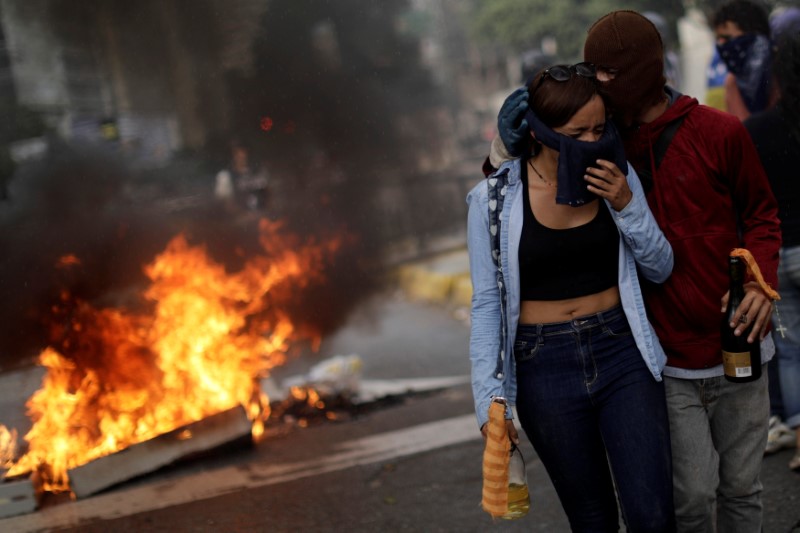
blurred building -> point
(397, 89)
(134, 73)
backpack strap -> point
(659, 149)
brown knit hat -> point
(629, 43)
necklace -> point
(549, 184)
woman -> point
(571, 231)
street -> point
(413, 464)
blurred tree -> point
(522, 24)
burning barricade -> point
(142, 389)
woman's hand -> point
(512, 431)
(607, 181)
(755, 310)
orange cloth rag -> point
(495, 462)
(752, 268)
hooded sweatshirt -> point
(710, 195)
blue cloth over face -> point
(575, 156)
(748, 58)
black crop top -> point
(556, 264)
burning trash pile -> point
(115, 379)
(328, 391)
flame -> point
(118, 378)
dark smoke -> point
(71, 203)
(340, 78)
(335, 79)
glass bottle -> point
(741, 360)
(519, 500)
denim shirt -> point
(642, 245)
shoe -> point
(794, 464)
(779, 436)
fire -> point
(118, 378)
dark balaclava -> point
(629, 43)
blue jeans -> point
(788, 347)
(719, 431)
(587, 401)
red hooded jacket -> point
(710, 194)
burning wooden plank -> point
(211, 432)
(17, 497)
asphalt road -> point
(411, 464)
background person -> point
(243, 184)
(563, 332)
(743, 43)
(776, 134)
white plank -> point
(160, 451)
(17, 497)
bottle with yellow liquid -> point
(519, 500)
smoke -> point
(337, 82)
(325, 109)
(71, 204)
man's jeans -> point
(718, 431)
(788, 348)
(587, 400)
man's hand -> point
(511, 123)
(755, 310)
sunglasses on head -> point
(565, 72)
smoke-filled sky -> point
(334, 78)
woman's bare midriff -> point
(544, 312)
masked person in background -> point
(709, 194)
(557, 241)
(743, 43)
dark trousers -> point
(597, 418)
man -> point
(742, 31)
(709, 195)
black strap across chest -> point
(659, 149)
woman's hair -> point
(554, 102)
(786, 66)
(751, 17)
